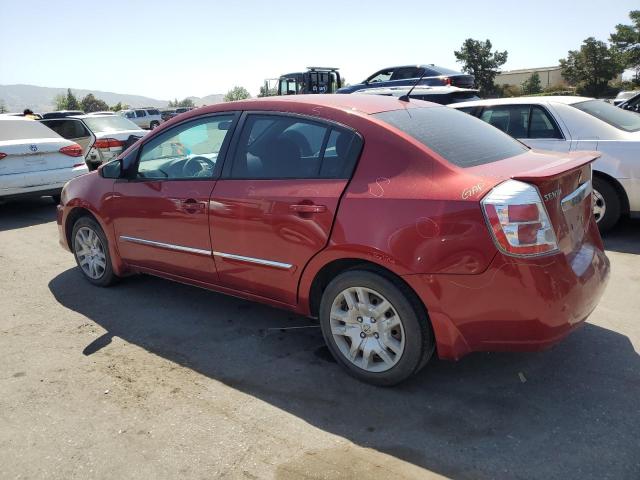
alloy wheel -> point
(90, 253)
(367, 329)
(599, 206)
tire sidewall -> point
(108, 277)
(416, 329)
(612, 202)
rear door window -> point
(279, 146)
(459, 138)
(406, 72)
(69, 129)
(521, 121)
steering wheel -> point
(193, 166)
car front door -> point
(161, 212)
(274, 206)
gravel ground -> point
(153, 379)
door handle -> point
(306, 208)
(191, 205)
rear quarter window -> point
(459, 138)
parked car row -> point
(375, 214)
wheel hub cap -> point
(90, 253)
(367, 329)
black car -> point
(61, 114)
(408, 75)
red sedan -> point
(407, 228)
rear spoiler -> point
(545, 172)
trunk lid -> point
(31, 155)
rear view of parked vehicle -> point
(102, 137)
(407, 228)
(147, 118)
(34, 160)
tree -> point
(3, 107)
(237, 93)
(478, 60)
(72, 101)
(507, 90)
(187, 102)
(591, 68)
(266, 91)
(118, 106)
(92, 104)
(626, 43)
(60, 101)
(532, 85)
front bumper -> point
(517, 304)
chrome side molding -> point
(168, 246)
(258, 261)
(198, 251)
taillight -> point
(74, 150)
(2, 155)
(518, 220)
(108, 143)
(446, 81)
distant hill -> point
(40, 99)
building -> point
(549, 76)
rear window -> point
(459, 138)
(24, 129)
(110, 123)
(619, 118)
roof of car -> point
(568, 100)
(367, 104)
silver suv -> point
(147, 118)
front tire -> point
(91, 251)
(606, 204)
(377, 331)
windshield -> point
(111, 123)
(458, 137)
(619, 118)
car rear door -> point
(161, 212)
(533, 125)
(274, 206)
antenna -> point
(405, 97)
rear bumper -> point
(517, 304)
(38, 183)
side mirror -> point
(111, 170)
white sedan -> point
(102, 137)
(577, 123)
(34, 160)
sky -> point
(167, 49)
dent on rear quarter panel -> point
(411, 213)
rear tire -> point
(91, 251)
(607, 205)
(382, 338)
